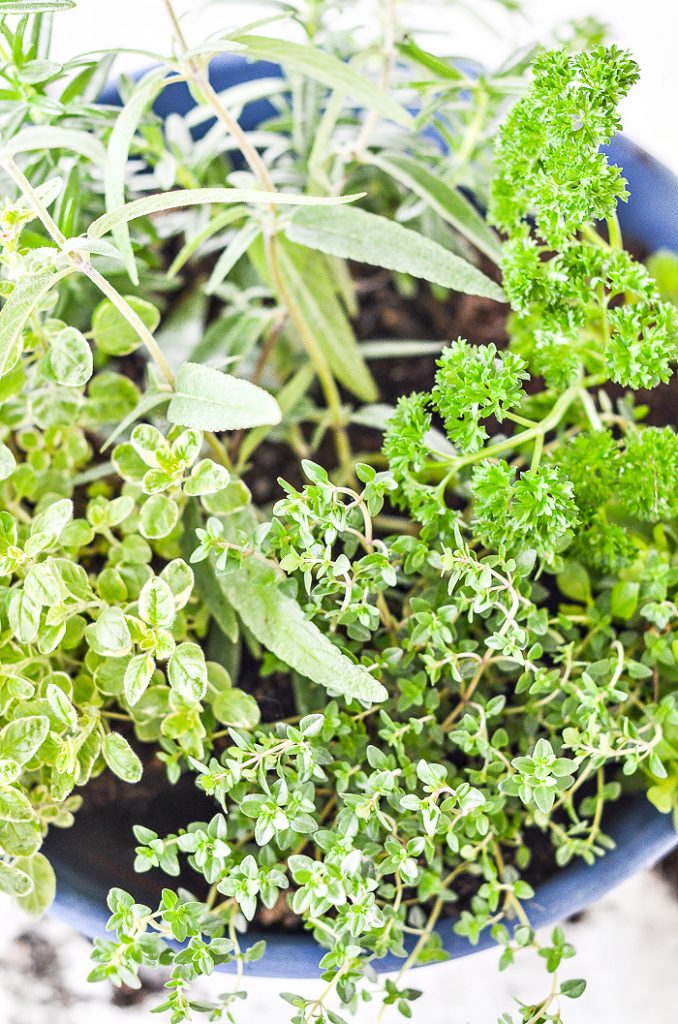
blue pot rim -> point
(642, 835)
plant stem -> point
(133, 319)
(535, 433)
(389, 61)
(259, 169)
(317, 358)
(123, 307)
(24, 186)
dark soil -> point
(99, 848)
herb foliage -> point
(478, 626)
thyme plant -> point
(476, 621)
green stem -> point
(133, 319)
(260, 171)
(123, 307)
(315, 354)
(24, 186)
(535, 433)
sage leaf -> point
(447, 201)
(208, 399)
(368, 238)
(279, 624)
(308, 279)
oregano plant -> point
(408, 644)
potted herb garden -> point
(337, 541)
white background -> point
(628, 943)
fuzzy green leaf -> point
(278, 622)
(308, 278)
(120, 216)
(368, 238)
(208, 399)
(448, 202)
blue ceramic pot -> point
(88, 858)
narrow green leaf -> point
(215, 224)
(144, 92)
(329, 70)
(309, 280)
(368, 238)
(440, 67)
(41, 137)
(180, 198)
(449, 203)
(400, 348)
(211, 400)
(206, 582)
(236, 248)
(34, 6)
